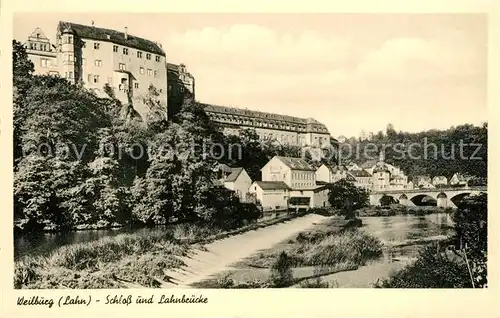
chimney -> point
(126, 33)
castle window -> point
(139, 54)
(141, 70)
(38, 35)
(115, 48)
(136, 85)
(32, 46)
(98, 63)
(156, 73)
(121, 66)
(96, 78)
(44, 62)
(157, 59)
(125, 51)
(71, 58)
(96, 46)
(150, 72)
(70, 40)
(148, 56)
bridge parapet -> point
(478, 188)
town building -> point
(459, 179)
(96, 57)
(237, 180)
(287, 130)
(365, 136)
(362, 178)
(440, 181)
(353, 166)
(324, 174)
(387, 176)
(271, 195)
(422, 181)
(300, 178)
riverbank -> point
(398, 209)
(126, 260)
(331, 246)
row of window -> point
(125, 52)
(39, 47)
(302, 184)
(97, 46)
(303, 176)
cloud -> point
(416, 58)
(248, 47)
(346, 83)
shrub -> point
(430, 270)
(281, 271)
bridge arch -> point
(457, 199)
(387, 199)
(423, 200)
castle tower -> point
(381, 156)
(67, 46)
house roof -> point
(272, 185)
(102, 34)
(359, 173)
(235, 172)
(296, 163)
(368, 164)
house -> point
(272, 195)
(362, 179)
(325, 173)
(459, 179)
(295, 172)
(339, 172)
(419, 181)
(353, 166)
(439, 181)
(300, 177)
(237, 180)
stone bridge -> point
(445, 197)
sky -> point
(352, 72)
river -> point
(402, 237)
(392, 230)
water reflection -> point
(401, 234)
(44, 243)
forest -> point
(462, 149)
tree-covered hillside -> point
(461, 149)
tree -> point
(471, 224)
(345, 196)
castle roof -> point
(108, 35)
(308, 123)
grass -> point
(126, 260)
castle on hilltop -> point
(129, 64)
(287, 130)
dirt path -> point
(220, 254)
